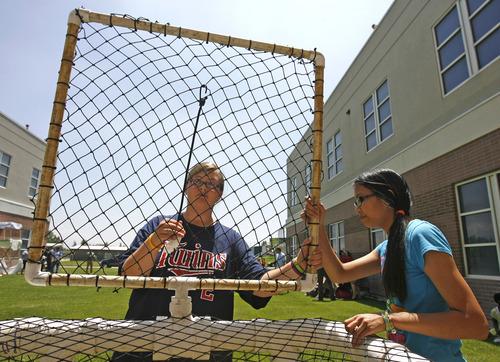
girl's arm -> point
(287, 272)
(464, 320)
(325, 256)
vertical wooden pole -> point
(317, 149)
(50, 160)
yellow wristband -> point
(151, 246)
(298, 267)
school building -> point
(423, 98)
(21, 159)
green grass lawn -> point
(18, 299)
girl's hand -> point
(303, 254)
(363, 325)
(315, 260)
(313, 211)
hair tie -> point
(400, 212)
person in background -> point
(56, 259)
(24, 256)
(345, 257)
(280, 258)
(324, 282)
(262, 261)
(495, 317)
(90, 262)
(430, 306)
(49, 257)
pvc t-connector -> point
(309, 283)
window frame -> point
(493, 189)
(470, 54)
(37, 181)
(26, 239)
(308, 178)
(294, 200)
(333, 150)
(373, 231)
(377, 104)
(7, 166)
(294, 247)
(338, 240)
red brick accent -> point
(433, 189)
(27, 223)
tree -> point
(53, 239)
(276, 241)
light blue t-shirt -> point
(422, 297)
(280, 260)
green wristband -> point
(389, 327)
(298, 267)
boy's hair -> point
(211, 169)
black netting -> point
(126, 138)
(141, 110)
(193, 338)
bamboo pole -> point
(167, 29)
(174, 283)
(317, 155)
(50, 160)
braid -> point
(392, 189)
(394, 273)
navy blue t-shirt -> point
(213, 252)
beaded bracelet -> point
(151, 246)
(296, 267)
(389, 327)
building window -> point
(308, 178)
(293, 192)
(294, 246)
(377, 236)
(479, 212)
(467, 39)
(35, 181)
(4, 168)
(337, 236)
(26, 238)
(334, 155)
(377, 117)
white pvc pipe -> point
(34, 276)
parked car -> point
(110, 262)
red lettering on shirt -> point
(206, 294)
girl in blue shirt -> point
(430, 306)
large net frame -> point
(137, 103)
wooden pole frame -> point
(33, 272)
(40, 222)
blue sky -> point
(32, 36)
